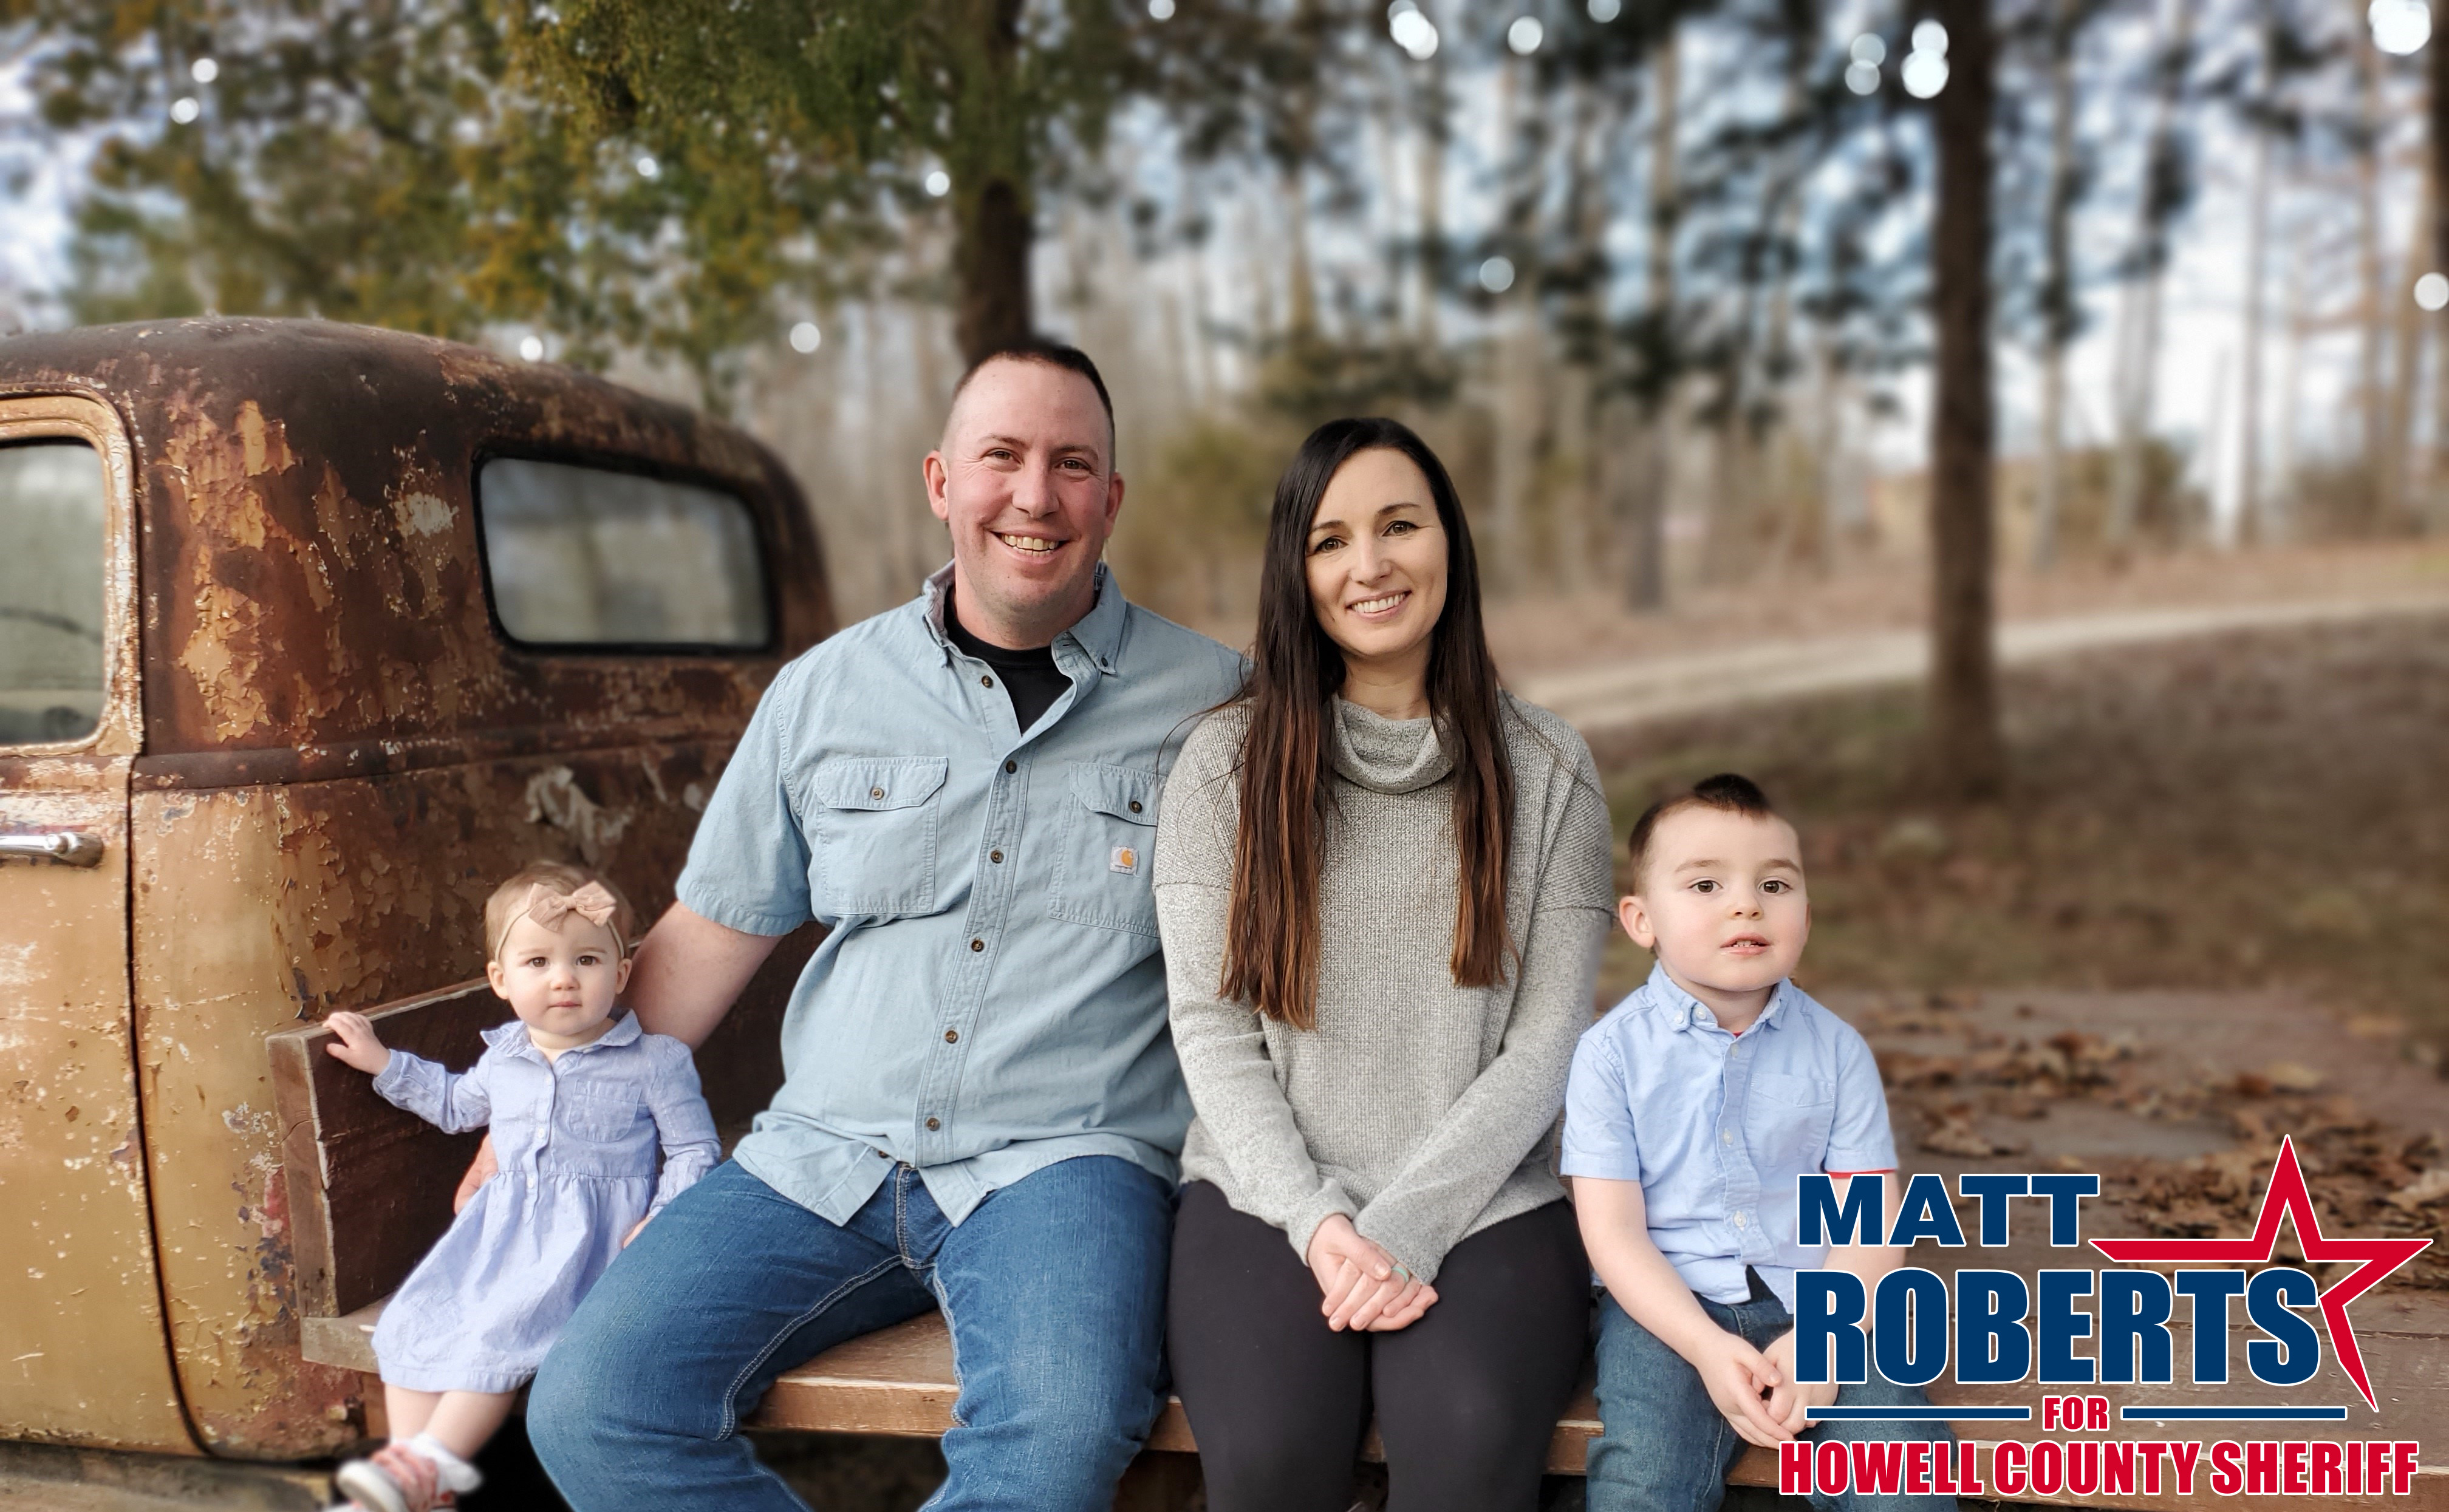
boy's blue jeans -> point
(1666, 1446)
(1055, 1288)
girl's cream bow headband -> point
(590, 902)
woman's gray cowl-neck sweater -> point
(1420, 1109)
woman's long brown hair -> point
(1272, 941)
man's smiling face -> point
(1024, 480)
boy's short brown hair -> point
(508, 900)
(1730, 792)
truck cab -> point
(309, 634)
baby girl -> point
(576, 1101)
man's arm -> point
(1615, 1232)
(690, 970)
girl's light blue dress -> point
(576, 1141)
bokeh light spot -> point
(1924, 74)
(531, 348)
(938, 184)
(1929, 36)
(1160, 9)
(1525, 35)
(1496, 274)
(2432, 292)
(806, 337)
(2399, 26)
(647, 167)
(1862, 78)
(203, 70)
(1603, 11)
(1413, 32)
(185, 110)
(1870, 49)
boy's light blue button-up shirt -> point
(1717, 1127)
(990, 999)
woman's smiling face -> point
(1376, 557)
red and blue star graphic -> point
(2286, 1195)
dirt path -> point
(1632, 690)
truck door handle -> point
(67, 848)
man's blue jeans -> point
(1667, 1448)
(1055, 1288)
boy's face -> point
(1721, 900)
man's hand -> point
(1739, 1378)
(1363, 1286)
(480, 1171)
(355, 1043)
(1788, 1403)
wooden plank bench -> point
(370, 1188)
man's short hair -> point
(1728, 792)
(1053, 355)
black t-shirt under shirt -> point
(1029, 677)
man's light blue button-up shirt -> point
(990, 999)
(1717, 1127)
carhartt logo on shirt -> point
(1125, 859)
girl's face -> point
(1376, 559)
(561, 983)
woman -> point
(1382, 884)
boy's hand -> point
(1739, 1378)
(1788, 1403)
(635, 1229)
(355, 1043)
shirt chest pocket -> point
(1108, 832)
(1788, 1120)
(875, 819)
(599, 1116)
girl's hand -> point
(354, 1043)
(1405, 1310)
(480, 1171)
(635, 1229)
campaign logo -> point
(2287, 1194)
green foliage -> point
(447, 165)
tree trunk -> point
(989, 155)
(2057, 290)
(2371, 396)
(1645, 516)
(1969, 753)
(2407, 511)
(2252, 518)
(2436, 81)
(2139, 349)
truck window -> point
(580, 556)
(53, 501)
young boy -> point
(1695, 1105)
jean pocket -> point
(874, 827)
(1110, 831)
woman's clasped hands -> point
(1364, 1286)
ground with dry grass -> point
(2249, 811)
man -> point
(980, 1108)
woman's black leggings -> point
(1466, 1397)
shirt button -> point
(935, 1123)
(1012, 766)
(876, 792)
(977, 945)
(996, 856)
(1739, 1217)
(951, 1036)
(1725, 1135)
(1135, 805)
(986, 682)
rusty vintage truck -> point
(307, 634)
